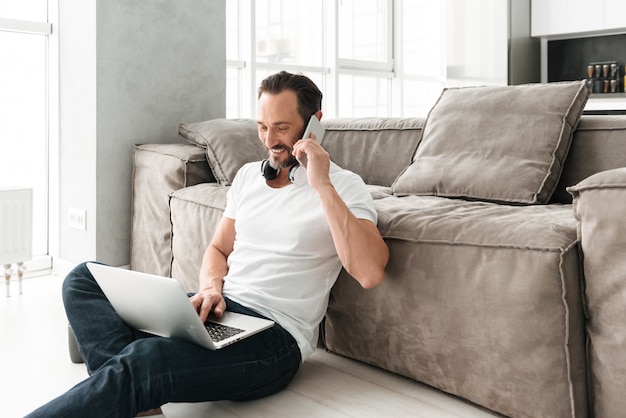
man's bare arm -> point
(359, 244)
(214, 269)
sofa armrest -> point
(599, 206)
(158, 170)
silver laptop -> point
(159, 305)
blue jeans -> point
(132, 371)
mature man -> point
(276, 254)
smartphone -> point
(314, 126)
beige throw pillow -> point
(496, 143)
(229, 143)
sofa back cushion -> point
(599, 144)
(377, 149)
(496, 143)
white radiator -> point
(16, 225)
(16, 232)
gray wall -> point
(130, 72)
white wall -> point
(130, 71)
(77, 122)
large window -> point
(24, 107)
(266, 36)
(364, 58)
(421, 68)
(369, 57)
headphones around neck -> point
(297, 174)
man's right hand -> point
(207, 301)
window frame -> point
(25, 26)
(42, 263)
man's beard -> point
(277, 164)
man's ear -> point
(318, 114)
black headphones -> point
(297, 175)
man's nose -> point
(270, 139)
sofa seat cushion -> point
(458, 221)
(479, 300)
(379, 192)
(194, 214)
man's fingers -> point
(212, 303)
(219, 309)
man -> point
(276, 254)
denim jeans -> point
(132, 371)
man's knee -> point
(79, 278)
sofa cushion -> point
(377, 149)
(378, 192)
(159, 169)
(481, 300)
(496, 143)
(599, 207)
(599, 144)
(229, 143)
(195, 214)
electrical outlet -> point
(77, 218)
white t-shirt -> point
(284, 262)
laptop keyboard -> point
(219, 332)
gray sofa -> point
(500, 289)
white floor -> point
(36, 367)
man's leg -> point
(129, 375)
(99, 331)
(153, 371)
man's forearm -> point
(213, 270)
(359, 245)
(214, 262)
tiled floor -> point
(36, 367)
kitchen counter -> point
(607, 103)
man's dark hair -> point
(309, 96)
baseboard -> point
(62, 267)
